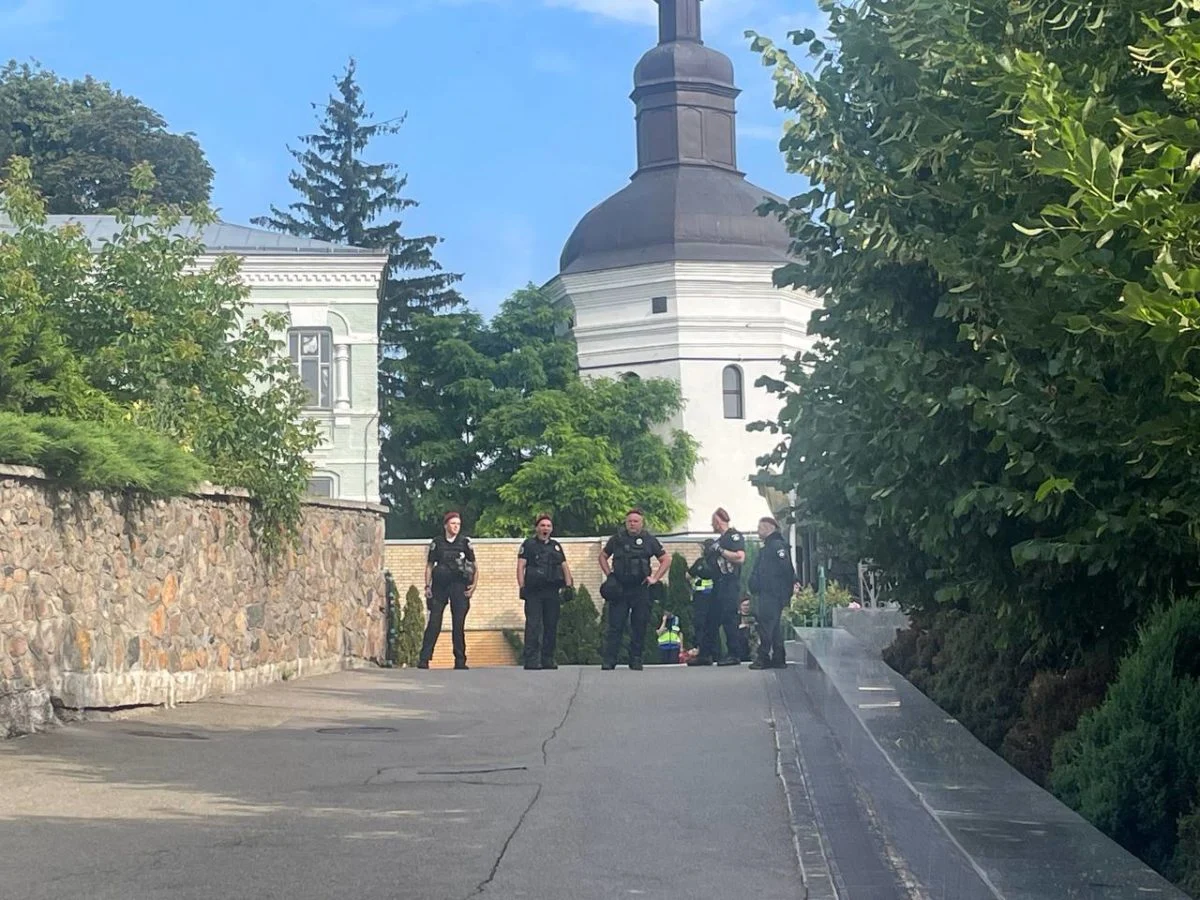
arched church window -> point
(731, 390)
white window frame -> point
(735, 395)
(323, 396)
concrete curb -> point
(934, 781)
(802, 818)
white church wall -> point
(717, 314)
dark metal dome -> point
(687, 200)
(684, 61)
(693, 213)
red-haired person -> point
(626, 562)
(726, 556)
(542, 573)
(450, 577)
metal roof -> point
(690, 213)
(218, 237)
(687, 200)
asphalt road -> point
(437, 785)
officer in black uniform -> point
(772, 581)
(703, 576)
(450, 577)
(629, 573)
(726, 557)
(542, 573)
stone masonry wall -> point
(112, 601)
(496, 605)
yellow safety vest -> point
(672, 637)
(703, 585)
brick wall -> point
(496, 604)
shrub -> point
(411, 628)
(1051, 708)
(979, 676)
(1186, 870)
(515, 640)
(1133, 765)
(98, 455)
(578, 631)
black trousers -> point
(632, 606)
(542, 609)
(454, 593)
(722, 613)
(668, 656)
(770, 630)
(702, 602)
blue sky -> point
(519, 118)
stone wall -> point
(112, 600)
(495, 604)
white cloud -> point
(31, 14)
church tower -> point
(671, 277)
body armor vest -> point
(631, 561)
(545, 569)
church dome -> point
(683, 61)
(687, 200)
(693, 213)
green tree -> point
(495, 422)
(347, 200)
(82, 138)
(344, 199)
(133, 333)
(974, 419)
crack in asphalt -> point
(483, 885)
(554, 733)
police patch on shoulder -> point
(782, 554)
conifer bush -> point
(578, 631)
(411, 628)
(1132, 767)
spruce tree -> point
(345, 199)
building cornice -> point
(299, 271)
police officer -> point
(450, 577)
(626, 563)
(542, 573)
(726, 556)
(703, 573)
(772, 580)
